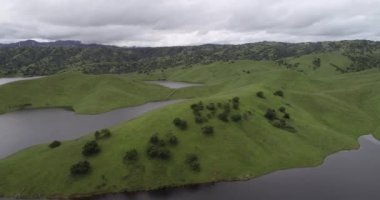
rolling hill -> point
(327, 111)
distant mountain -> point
(58, 43)
(32, 58)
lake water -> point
(9, 80)
(173, 84)
(347, 175)
(24, 128)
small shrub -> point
(236, 117)
(181, 124)
(80, 168)
(235, 105)
(208, 130)
(270, 115)
(236, 99)
(102, 134)
(223, 116)
(192, 161)
(282, 109)
(195, 166)
(279, 123)
(194, 107)
(154, 139)
(131, 155)
(173, 140)
(286, 116)
(90, 148)
(279, 93)
(156, 152)
(211, 107)
(219, 105)
(227, 107)
(161, 143)
(191, 158)
(55, 144)
(198, 119)
(260, 94)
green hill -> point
(327, 112)
(31, 58)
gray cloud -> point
(187, 22)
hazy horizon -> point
(188, 22)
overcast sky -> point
(188, 22)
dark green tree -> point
(55, 144)
(90, 148)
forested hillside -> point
(30, 58)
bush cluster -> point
(236, 117)
(131, 155)
(179, 123)
(158, 152)
(80, 168)
(90, 148)
(208, 130)
(193, 162)
(279, 93)
(271, 114)
(260, 94)
(102, 134)
(158, 147)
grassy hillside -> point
(327, 114)
(31, 58)
(83, 93)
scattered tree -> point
(271, 114)
(260, 94)
(198, 119)
(80, 168)
(158, 153)
(286, 116)
(173, 140)
(131, 155)
(102, 134)
(282, 109)
(208, 130)
(90, 148)
(154, 139)
(193, 162)
(236, 99)
(279, 93)
(55, 144)
(236, 117)
(211, 107)
(179, 123)
(223, 116)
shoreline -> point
(173, 187)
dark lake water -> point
(346, 175)
(22, 129)
(173, 84)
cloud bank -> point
(188, 22)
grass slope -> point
(328, 112)
(83, 93)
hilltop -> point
(31, 58)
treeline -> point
(44, 59)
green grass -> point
(328, 112)
(83, 93)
